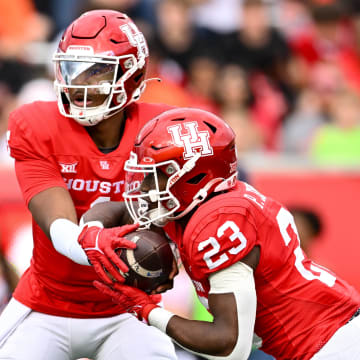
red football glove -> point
(99, 245)
(133, 300)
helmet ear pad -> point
(188, 186)
(132, 86)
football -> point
(150, 263)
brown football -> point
(150, 263)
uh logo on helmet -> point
(192, 140)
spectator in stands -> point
(202, 77)
(164, 80)
(176, 34)
(332, 37)
(294, 18)
(313, 107)
(338, 143)
(302, 123)
(259, 47)
(326, 36)
(237, 108)
(215, 18)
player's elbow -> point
(241, 351)
(229, 341)
(234, 348)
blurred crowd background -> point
(285, 74)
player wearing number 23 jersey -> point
(300, 304)
(240, 248)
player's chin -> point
(163, 287)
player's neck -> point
(108, 133)
(185, 219)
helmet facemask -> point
(148, 197)
(150, 201)
(109, 87)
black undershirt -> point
(108, 150)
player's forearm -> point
(202, 337)
(110, 213)
(232, 302)
(51, 204)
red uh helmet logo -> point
(192, 140)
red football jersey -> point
(52, 150)
(299, 303)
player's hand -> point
(133, 300)
(99, 245)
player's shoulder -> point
(242, 204)
(235, 200)
(35, 115)
(209, 214)
(38, 123)
(35, 109)
(225, 222)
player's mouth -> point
(78, 100)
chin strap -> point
(228, 183)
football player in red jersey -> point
(70, 155)
(240, 248)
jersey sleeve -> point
(36, 169)
(222, 241)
